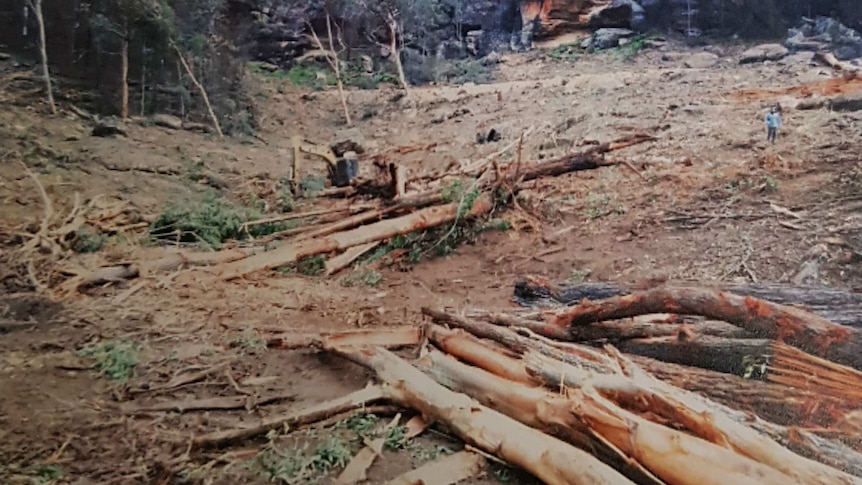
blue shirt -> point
(773, 120)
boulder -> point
(763, 52)
(167, 121)
(109, 127)
(701, 60)
(619, 14)
(609, 38)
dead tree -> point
(36, 6)
(200, 87)
(334, 63)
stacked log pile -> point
(519, 388)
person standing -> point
(773, 122)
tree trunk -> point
(124, 76)
(587, 160)
(36, 5)
(731, 356)
(639, 391)
(201, 89)
(776, 403)
(674, 457)
(550, 460)
(396, 52)
(838, 306)
(794, 326)
(803, 442)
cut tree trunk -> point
(642, 392)
(838, 306)
(795, 368)
(36, 6)
(777, 403)
(290, 253)
(551, 460)
(674, 457)
(803, 442)
(731, 356)
(794, 326)
(587, 160)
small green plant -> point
(579, 275)
(363, 425)
(115, 359)
(754, 367)
(362, 277)
(88, 240)
(501, 225)
(299, 466)
(45, 474)
(565, 53)
(312, 265)
(396, 438)
(502, 473)
(286, 203)
(312, 185)
(250, 342)
(631, 49)
(282, 466)
(429, 453)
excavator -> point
(341, 170)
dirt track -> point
(705, 212)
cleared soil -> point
(700, 208)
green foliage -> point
(363, 425)
(495, 224)
(45, 474)
(464, 71)
(362, 277)
(579, 275)
(300, 466)
(308, 266)
(634, 46)
(249, 342)
(396, 438)
(565, 53)
(115, 359)
(286, 203)
(312, 185)
(599, 205)
(455, 192)
(755, 367)
(88, 240)
(430, 453)
(211, 222)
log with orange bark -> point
(670, 456)
(836, 305)
(595, 362)
(794, 326)
(549, 459)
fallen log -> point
(448, 470)
(344, 259)
(390, 337)
(731, 356)
(838, 306)
(794, 326)
(587, 160)
(290, 253)
(805, 443)
(550, 460)
(672, 456)
(794, 368)
(211, 403)
(638, 390)
(777, 403)
(297, 418)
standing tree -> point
(334, 62)
(125, 20)
(36, 6)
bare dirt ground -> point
(702, 209)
